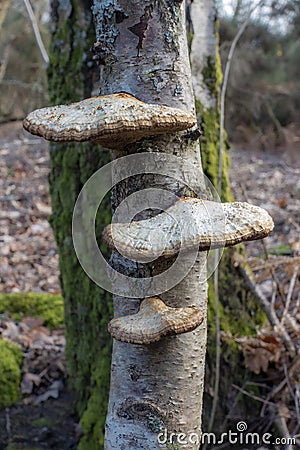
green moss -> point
(210, 123)
(93, 418)
(238, 311)
(171, 446)
(190, 37)
(87, 307)
(10, 373)
(46, 306)
(209, 118)
(40, 422)
(210, 76)
(280, 250)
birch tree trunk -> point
(157, 388)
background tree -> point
(21, 91)
(231, 308)
(71, 77)
(263, 90)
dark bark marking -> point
(143, 411)
(103, 52)
(120, 16)
(139, 29)
(134, 372)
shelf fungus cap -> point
(153, 321)
(111, 120)
(188, 224)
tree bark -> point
(87, 308)
(142, 50)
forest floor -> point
(29, 262)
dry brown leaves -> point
(28, 255)
(272, 180)
(259, 352)
(44, 366)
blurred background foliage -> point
(263, 96)
(23, 81)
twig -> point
(249, 394)
(282, 384)
(275, 391)
(272, 272)
(289, 295)
(20, 209)
(296, 400)
(7, 423)
(297, 306)
(224, 90)
(288, 381)
(36, 31)
(273, 298)
(276, 122)
(281, 425)
(6, 198)
(267, 307)
(277, 262)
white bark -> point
(203, 17)
(156, 387)
(204, 50)
(36, 31)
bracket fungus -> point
(153, 321)
(113, 120)
(188, 224)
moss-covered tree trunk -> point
(238, 311)
(70, 78)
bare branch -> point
(36, 31)
(289, 294)
(224, 89)
(267, 307)
(3, 11)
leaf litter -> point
(29, 263)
